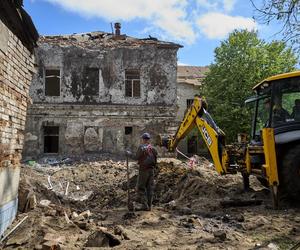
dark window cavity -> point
(189, 102)
(52, 82)
(128, 130)
(90, 81)
(51, 138)
(132, 83)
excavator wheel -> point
(290, 173)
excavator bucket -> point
(163, 140)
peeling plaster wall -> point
(185, 92)
(88, 128)
(96, 123)
(157, 74)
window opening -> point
(51, 139)
(52, 82)
(128, 130)
(132, 83)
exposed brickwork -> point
(16, 69)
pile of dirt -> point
(84, 205)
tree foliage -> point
(284, 12)
(241, 61)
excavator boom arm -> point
(197, 116)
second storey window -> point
(90, 82)
(132, 83)
(52, 82)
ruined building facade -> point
(97, 92)
(17, 38)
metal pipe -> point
(16, 226)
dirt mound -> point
(83, 186)
(103, 185)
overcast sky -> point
(198, 25)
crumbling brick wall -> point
(16, 68)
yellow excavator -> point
(272, 152)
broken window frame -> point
(45, 76)
(46, 134)
(132, 83)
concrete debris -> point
(56, 162)
(54, 238)
(51, 245)
(221, 235)
(31, 202)
(119, 230)
(45, 203)
(273, 246)
(86, 214)
(74, 215)
(102, 239)
(18, 240)
(101, 39)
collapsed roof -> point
(19, 22)
(97, 39)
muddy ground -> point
(84, 206)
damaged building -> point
(17, 38)
(97, 92)
(189, 80)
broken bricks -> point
(86, 214)
(119, 230)
(102, 239)
(54, 237)
(220, 234)
(51, 245)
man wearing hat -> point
(280, 115)
(146, 156)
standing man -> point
(146, 156)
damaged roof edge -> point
(99, 38)
(19, 22)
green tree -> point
(285, 13)
(241, 61)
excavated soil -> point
(84, 206)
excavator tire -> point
(289, 173)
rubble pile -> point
(84, 205)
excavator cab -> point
(278, 107)
(276, 126)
